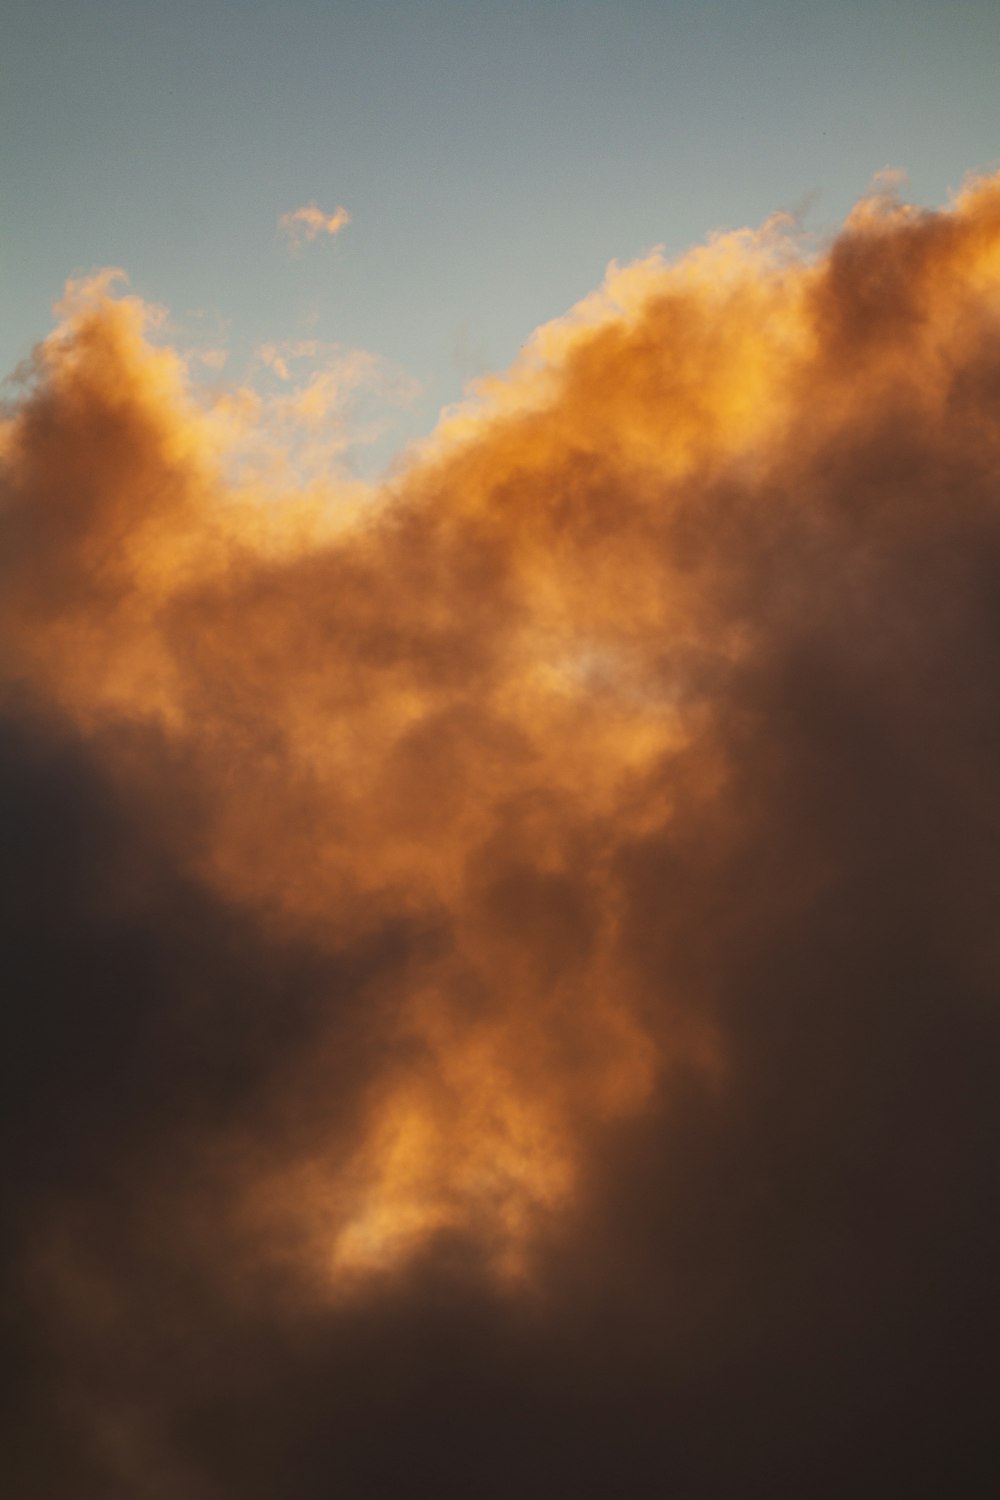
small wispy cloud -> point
(302, 225)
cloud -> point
(302, 225)
(302, 411)
(502, 965)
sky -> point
(498, 880)
(493, 158)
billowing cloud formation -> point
(302, 225)
(503, 965)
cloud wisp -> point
(303, 225)
(503, 963)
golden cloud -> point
(460, 701)
(559, 878)
(303, 225)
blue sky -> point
(493, 158)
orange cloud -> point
(302, 225)
(463, 705)
(513, 947)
